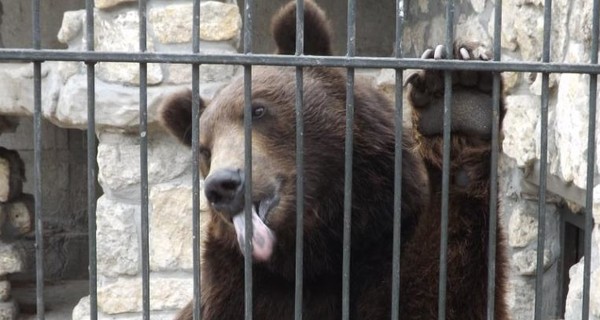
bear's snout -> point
(224, 189)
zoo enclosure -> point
(350, 61)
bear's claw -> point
(471, 97)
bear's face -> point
(222, 152)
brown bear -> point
(221, 145)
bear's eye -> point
(258, 111)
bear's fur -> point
(274, 188)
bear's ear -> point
(317, 30)
(176, 115)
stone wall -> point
(169, 30)
(522, 29)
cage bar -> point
(589, 201)
(144, 166)
(399, 125)
(91, 162)
(446, 163)
(298, 294)
(351, 50)
(300, 61)
(248, 160)
(196, 231)
(539, 277)
(37, 166)
(495, 147)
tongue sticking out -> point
(263, 239)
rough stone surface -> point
(8, 310)
(121, 33)
(11, 259)
(117, 238)
(171, 236)
(119, 161)
(522, 226)
(218, 22)
(4, 290)
(103, 4)
(126, 295)
(182, 74)
(575, 296)
(71, 27)
(520, 128)
(525, 261)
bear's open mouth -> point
(263, 238)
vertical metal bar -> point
(91, 162)
(493, 218)
(299, 163)
(351, 48)
(539, 277)
(37, 156)
(144, 165)
(446, 163)
(196, 162)
(248, 160)
(589, 201)
(398, 115)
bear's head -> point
(273, 148)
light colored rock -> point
(11, 259)
(71, 27)
(218, 22)
(82, 309)
(125, 295)
(522, 226)
(121, 33)
(478, 5)
(519, 128)
(8, 310)
(521, 293)
(574, 300)
(103, 4)
(117, 239)
(4, 290)
(182, 73)
(119, 161)
(525, 261)
(171, 236)
(16, 96)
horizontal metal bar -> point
(29, 55)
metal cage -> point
(36, 55)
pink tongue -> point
(263, 239)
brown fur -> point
(274, 170)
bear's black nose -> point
(224, 189)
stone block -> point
(4, 290)
(525, 262)
(125, 295)
(171, 237)
(11, 259)
(218, 22)
(121, 33)
(117, 239)
(119, 160)
(12, 174)
(8, 310)
(104, 4)
(520, 128)
(182, 73)
(522, 225)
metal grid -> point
(247, 59)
